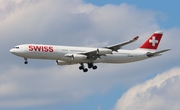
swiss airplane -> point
(68, 55)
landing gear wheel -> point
(81, 67)
(90, 65)
(94, 67)
(85, 70)
(26, 62)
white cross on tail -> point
(153, 41)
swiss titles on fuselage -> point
(40, 48)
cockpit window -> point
(16, 47)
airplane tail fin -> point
(153, 41)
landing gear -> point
(25, 62)
(81, 67)
(94, 67)
(90, 65)
(85, 70)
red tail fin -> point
(153, 41)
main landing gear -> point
(81, 67)
(25, 62)
(90, 65)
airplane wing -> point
(91, 54)
(107, 50)
(94, 54)
(149, 54)
(118, 46)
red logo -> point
(40, 48)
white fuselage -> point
(53, 52)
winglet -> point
(136, 38)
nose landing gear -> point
(25, 62)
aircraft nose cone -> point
(12, 51)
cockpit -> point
(16, 47)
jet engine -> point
(79, 57)
(60, 62)
(76, 56)
(103, 51)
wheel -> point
(94, 67)
(26, 62)
(90, 65)
(81, 67)
(85, 70)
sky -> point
(149, 84)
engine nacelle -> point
(79, 57)
(102, 51)
(76, 56)
(60, 62)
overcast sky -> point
(149, 84)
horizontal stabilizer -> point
(149, 54)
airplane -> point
(69, 55)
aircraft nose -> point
(12, 51)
